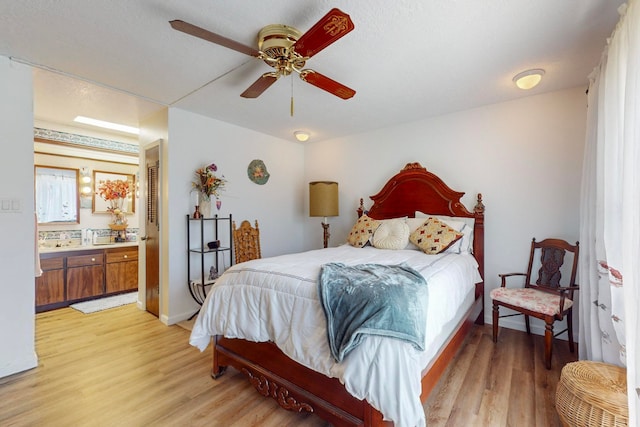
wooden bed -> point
(298, 388)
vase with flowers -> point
(208, 183)
(114, 192)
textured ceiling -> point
(119, 60)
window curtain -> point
(56, 197)
(610, 208)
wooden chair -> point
(246, 241)
(546, 298)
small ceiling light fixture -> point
(107, 125)
(528, 79)
(301, 135)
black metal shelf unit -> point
(210, 230)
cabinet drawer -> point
(47, 264)
(80, 260)
(120, 255)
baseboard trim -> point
(19, 365)
(537, 326)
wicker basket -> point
(592, 394)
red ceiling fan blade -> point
(263, 83)
(207, 35)
(327, 30)
(325, 83)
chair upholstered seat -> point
(531, 299)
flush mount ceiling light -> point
(528, 79)
(301, 135)
(107, 125)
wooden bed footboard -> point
(293, 386)
(297, 388)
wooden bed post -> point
(361, 208)
(478, 247)
(216, 369)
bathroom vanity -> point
(73, 274)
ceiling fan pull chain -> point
(291, 97)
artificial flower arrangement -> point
(207, 182)
(114, 189)
(114, 192)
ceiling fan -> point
(287, 50)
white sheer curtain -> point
(610, 208)
(56, 195)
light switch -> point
(10, 205)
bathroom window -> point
(56, 194)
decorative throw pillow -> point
(462, 224)
(413, 224)
(362, 231)
(434, 236)
(393, 234)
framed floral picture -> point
(113, 191)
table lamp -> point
(323, 201)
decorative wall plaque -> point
(257, 172)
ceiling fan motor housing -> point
(276, 41)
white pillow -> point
(463, 224)
(414, 223)
(391, 234)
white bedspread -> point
(276, 299)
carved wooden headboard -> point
(416, 189)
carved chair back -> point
(546, 262)
(246, 241)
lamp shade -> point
(323, 198)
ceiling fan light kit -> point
(287, 50)
(528, 79)
(301, 135)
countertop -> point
(70, 248)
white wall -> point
(17, 290)
(524, 156)
(195, 141)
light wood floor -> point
(122, 367)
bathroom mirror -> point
(56, 193)
(103, 183)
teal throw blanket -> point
(387, 300)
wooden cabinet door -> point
(85, 282)
(50, 286)
(85, 276)
(122, 276)
(121, 270)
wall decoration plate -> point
(257, 172)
